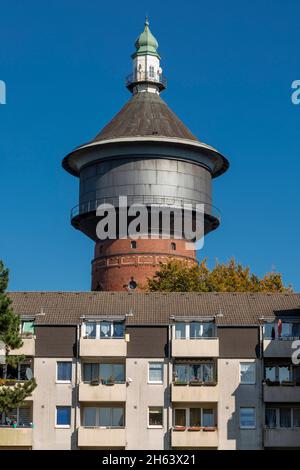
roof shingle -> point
(153, 308)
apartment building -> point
(118, 370)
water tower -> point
(147, 154)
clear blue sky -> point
(230, 65)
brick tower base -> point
(125, 264)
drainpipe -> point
(261, 384)
(76, 385)
(169, 385)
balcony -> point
(278, 347)
(281, 393)
(103, 347)
(102, 393)
(28, 348)
(101, 437)
(143, 77)
(195, 439)
(282, 437)
(15, 437)
(194, 393)
(204, 347)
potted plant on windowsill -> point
(110, 381)
(180, 382)
(194, 428)
(8, 382)
(179, 428)
(95, 382)
(209, 428)
(196, 383)
(211, 383)
(272, 382)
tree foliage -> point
(12, 394)
(181, 276)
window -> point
(208, 372)
(284, 373)
(194, 417)
(247, 418)
(180, 417)
(27, 328)
(279, 372)
(156, 372)
(112, 373)
(194, 330)
(90, 330)
(197, 372)
(270, 373)
(180, 330)
(288, 330)
(63, 416)
(151, 71)
(181, 373)
(22, 371)
(296, 417)
(106, 373)
(133, 244)
(132, 285)
(64, 372)
(208, 418)
(19, 417)
(247, 372)
(104, 330)
(173, 246)
(90, 417)
(285, 417)
(271, 418)
(111, 417)
(155, 417)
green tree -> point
(181, 276)
(11, 396)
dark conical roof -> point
(145, 114)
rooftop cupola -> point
(146, 43)
(147, 73)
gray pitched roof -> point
(153, 308)
(145, 114)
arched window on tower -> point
(133, 244)
(173, 246)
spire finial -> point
(147, 21)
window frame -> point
(98, 330)
(240, 415)
(58, 381)
(63, 426)
(254, 372)
(97, 417)
(188, 416)
(155, 382)
(187, 330)
(156, 426)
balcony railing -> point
(163, 201)
(134, 78)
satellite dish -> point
(29, 373)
